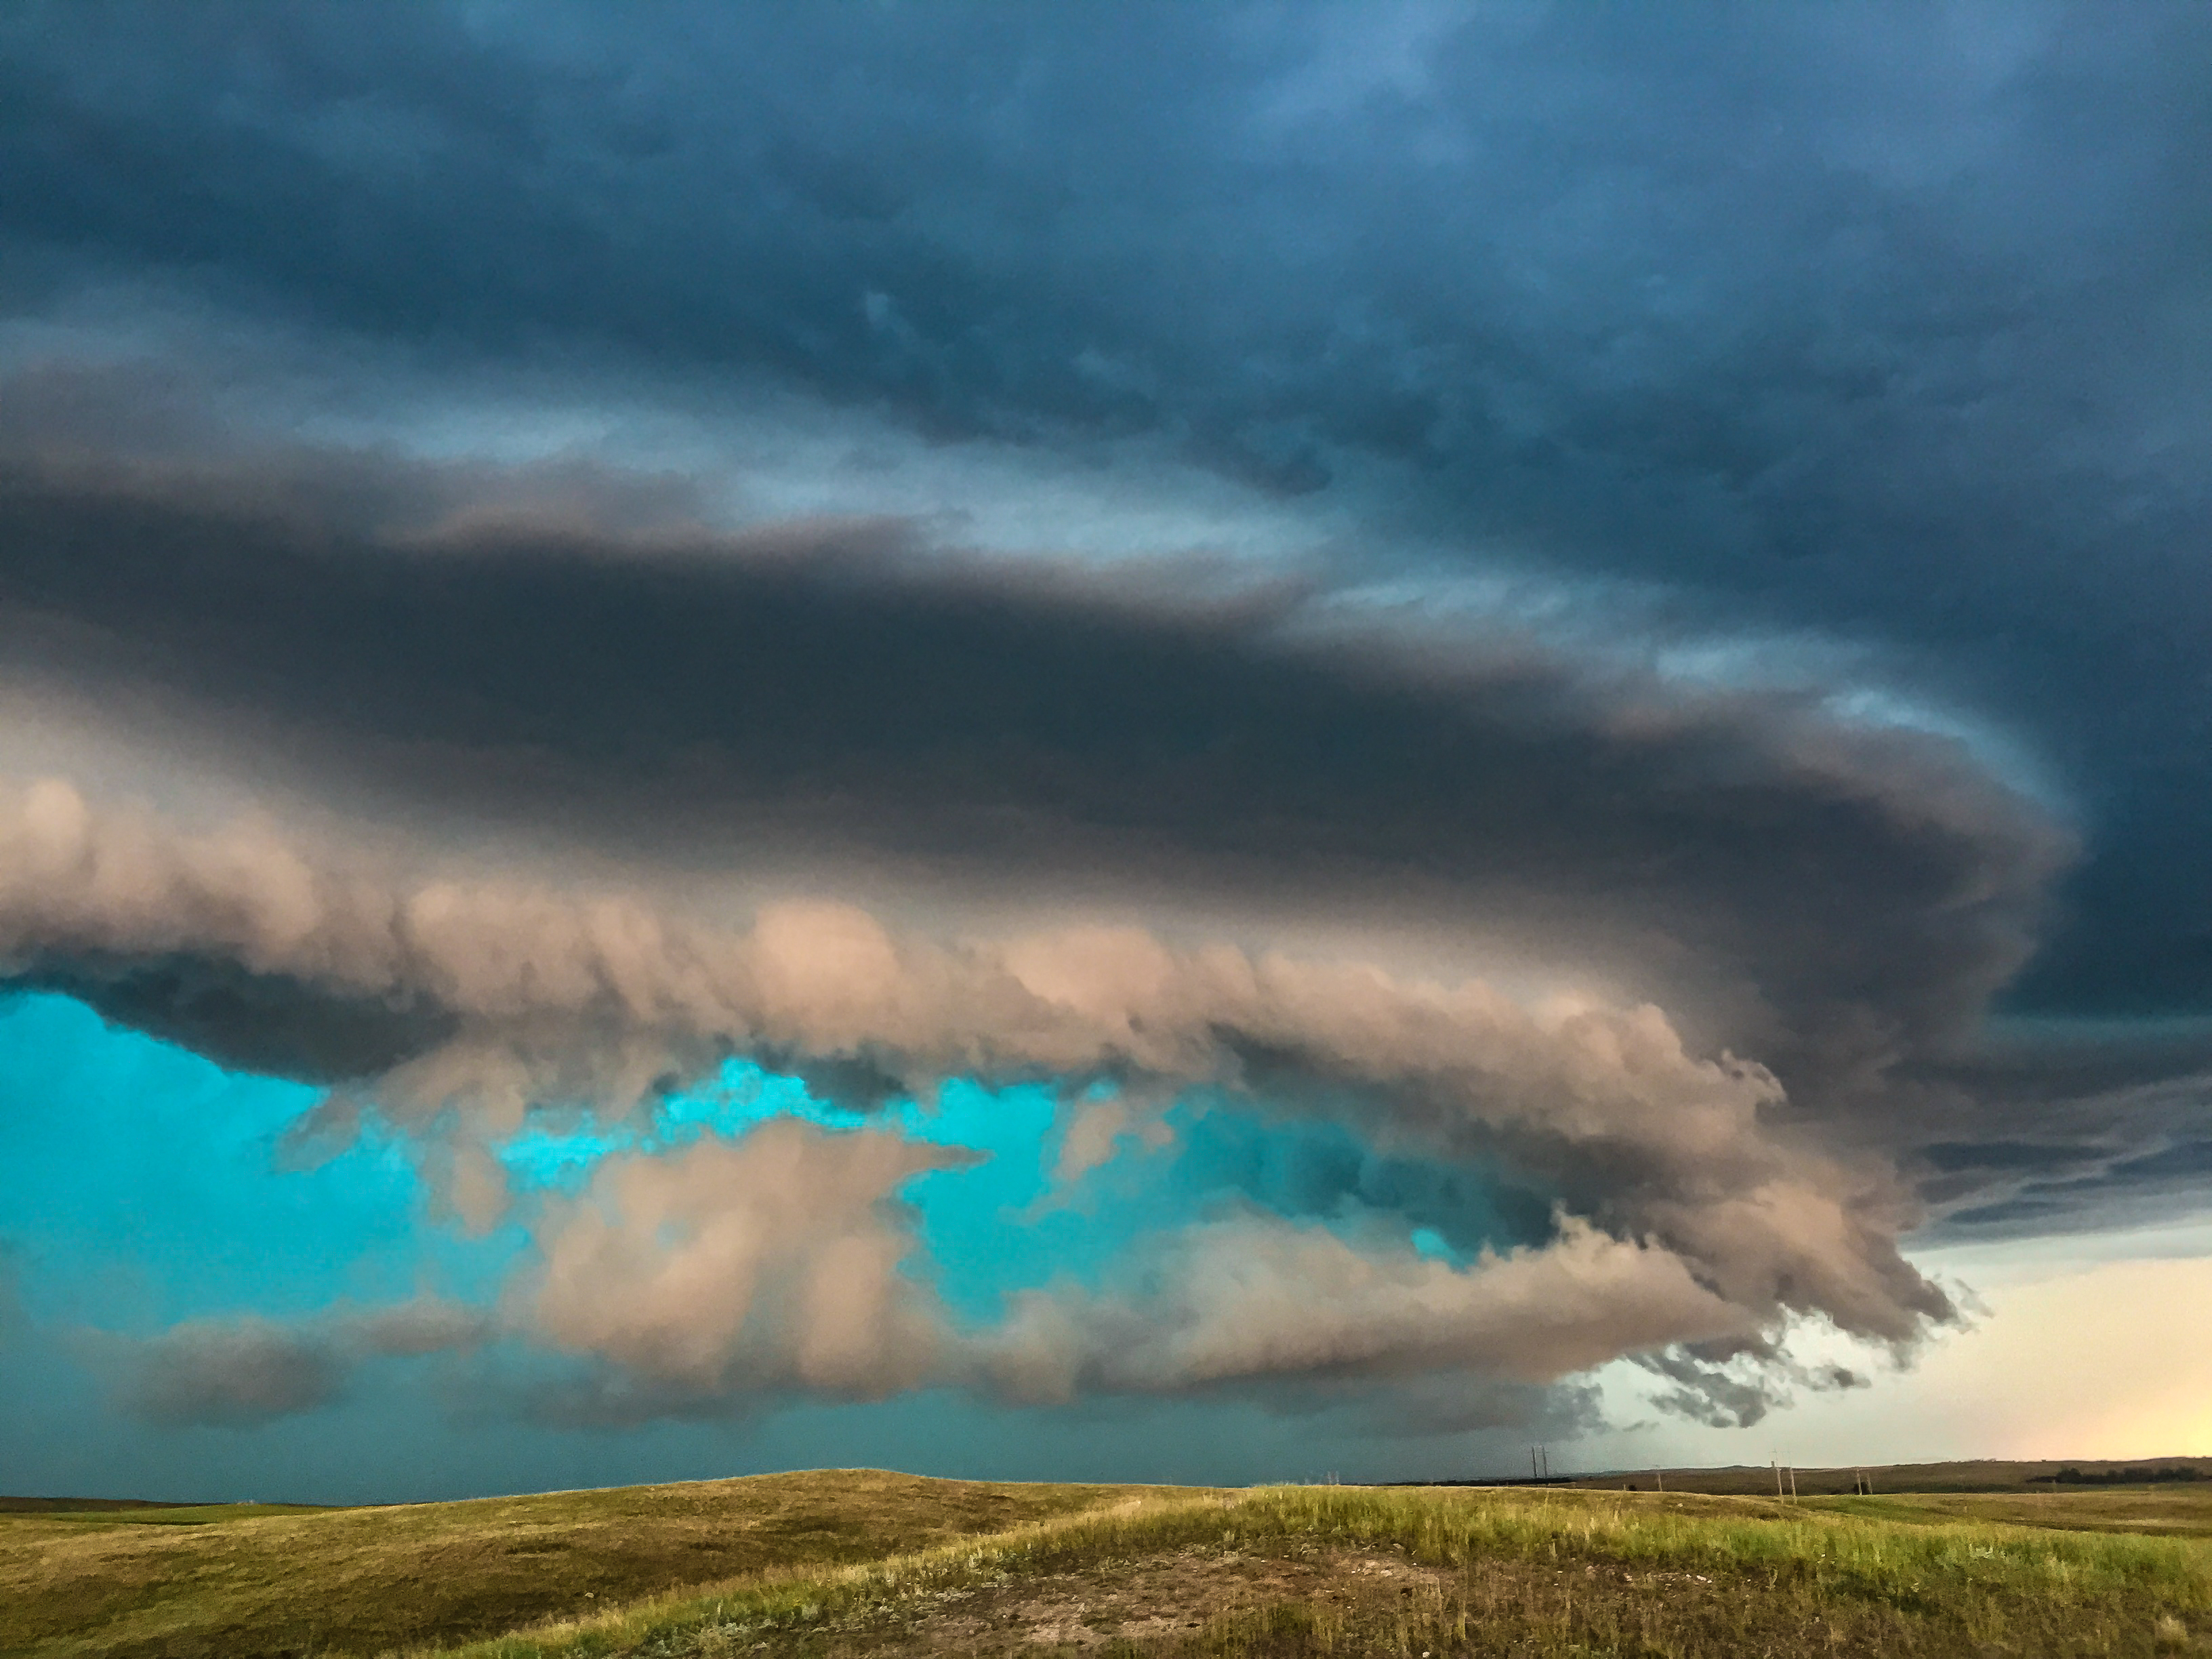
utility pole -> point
(1778, 1480)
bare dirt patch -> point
(1154, 1601)
(1185, 1591)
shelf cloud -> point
(1591, 628)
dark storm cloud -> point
(1893, 324)
(1728, 1386)
(811, 687)
(2082, 1185)
(1884, 335)
(270, 1024)
(2086, 1123)
(238, 1373)
(229, 1375)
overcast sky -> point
(1186, 742)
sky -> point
(1193, 742)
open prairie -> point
(1105, 740)
(867, 1564)
(154, 1581)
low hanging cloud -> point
(230, 1374)
(1242, 1301)
(241, 1372)
(773, 1264)
(1734, 1384)
(776, 1264)
(697, 1279)
(601, 998)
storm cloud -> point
(241, 1372)
(810, 692)
(1598, 605)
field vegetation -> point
(1975, 1475)
(1316, 1571)
(864, 1564)
(2153, 1511)
(256, 1582)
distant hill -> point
(1747, 1480)
(2132, 1474)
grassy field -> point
(864, 1564)
(2154, 1510)
(1311, 1570)
(251, 1583)
(91, 1512)
(1981, 1475)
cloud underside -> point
(1635, 707)
(721, 1275)
(1751, 935)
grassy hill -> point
(861, 1563)
(256, 1582)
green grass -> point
(858, 1563)
(1558, 1573)
(2170, 1512)
(107, 1585)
